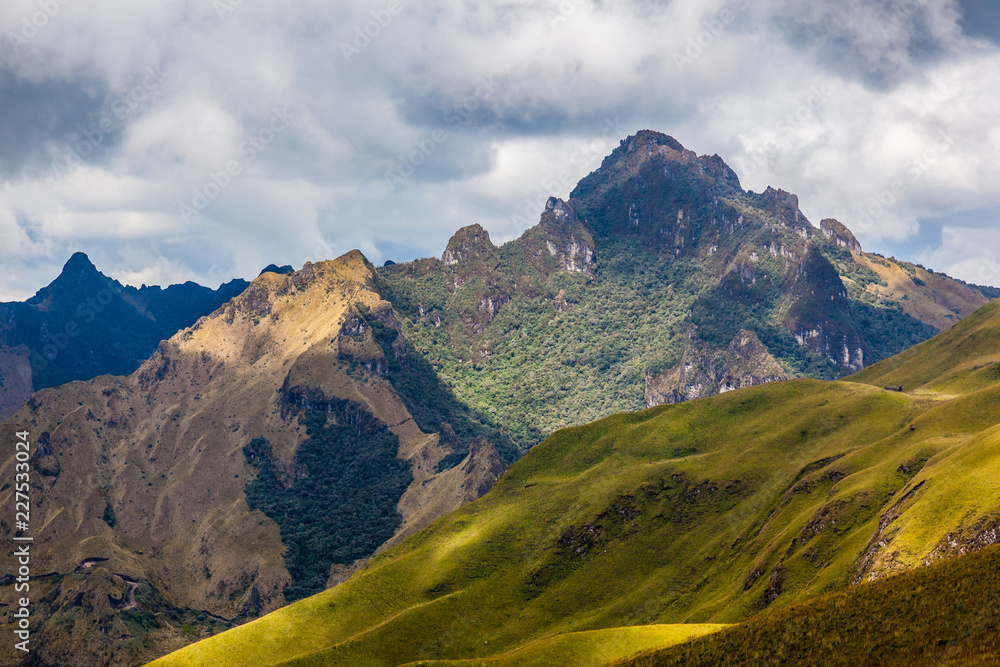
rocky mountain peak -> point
(646, 145)
(274, 268)
(78, 263)
(559, 241)
(839, 234)
(652, 142)
(561, 211)
(469, 244)
(784, 206)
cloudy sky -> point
(203, 139)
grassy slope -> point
(941, 615)
(703, 512)
(595, 648)
(956, 362)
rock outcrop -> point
(559, 242)
(839, 234)
(706, 372)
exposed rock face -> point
(748, 363)
(477, 279)
(839, 234)
(471, 248)
(819, 318)
(784, 208)
(704, 372)
(559, 242)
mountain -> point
(321, 417)
(660, 280)
(255, 458)
(708, 511)
(85, 324)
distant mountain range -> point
(85, 324)
(232, 451)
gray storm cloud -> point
(145, 135)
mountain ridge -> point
(84, 324)
(672, 242)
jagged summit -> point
(79, 262)
(469, 244)
(559, 241)
(784, 207)
(649, 145)
(837, 232)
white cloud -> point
(891, 80)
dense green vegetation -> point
(549, 369)
(943, 615)
(432, 403)
(683, 254)
(337, 503)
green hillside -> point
(595, 648)
(941, 615)
(705, 512)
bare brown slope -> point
(148, 471)
(932, 298)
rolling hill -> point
(944, 614)
(710, 511)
